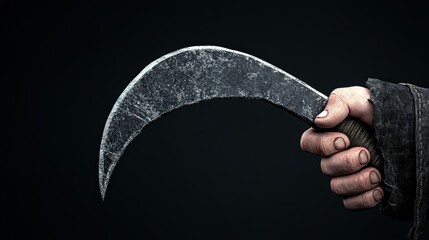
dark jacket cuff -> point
(421, 138)
(394, 126)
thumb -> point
(343, 102)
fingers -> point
(343, 102)
(364, 200)
(346, 162)
(323, 143)
(356, 183)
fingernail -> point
(323, 114)
(363, 157)
(377, 195)
(339, 143)
(373, 176)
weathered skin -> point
(192, 75)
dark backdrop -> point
(220, 169)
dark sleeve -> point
(401, 125)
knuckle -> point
(364, 201)
(334, 186)
(304, 140)
(346, 203)
(367, 201)
(323, 167)
(349, 163)
(362, 181)
(322, 146)
(338, 93)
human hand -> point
(356, 184)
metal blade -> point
(192, 75)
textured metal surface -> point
(192, 75)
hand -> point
(357, 184)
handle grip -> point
(360, 135)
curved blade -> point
(192, 75)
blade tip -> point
(102, 192)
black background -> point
(219, 169)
